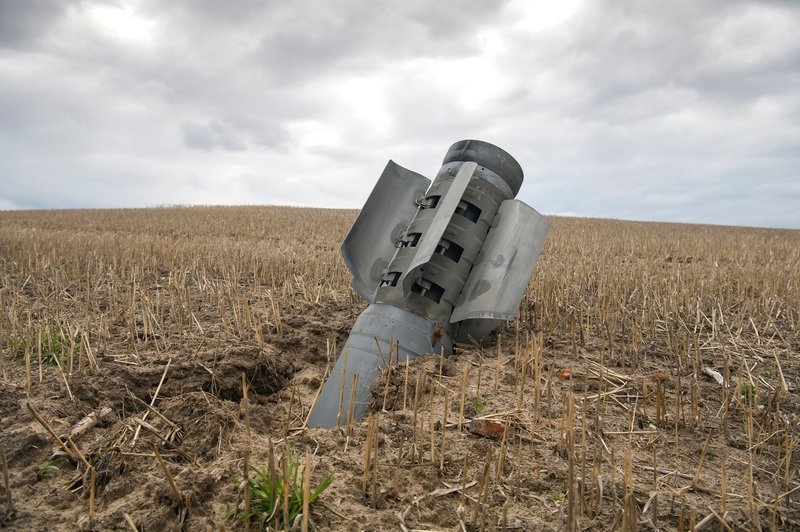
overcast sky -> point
(674, 111)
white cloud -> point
(122, 22)
(682, 111)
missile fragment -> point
(437, 261)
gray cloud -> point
(23, 23)
(318, 38)
(685, 111)
(230, 135)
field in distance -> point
(152, 357)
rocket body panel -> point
(442, 243)
(445, 209)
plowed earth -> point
(558, 429)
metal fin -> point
(370, 244)
(444, 212)
(500, 277)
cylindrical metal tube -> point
(381, 332)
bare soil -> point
(632, 450)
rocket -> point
(438, 262)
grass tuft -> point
(268, 489)
(478, 404)
(56, 342)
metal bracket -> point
(445, 210)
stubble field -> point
(151, 358)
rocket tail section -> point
(432, 238)
(452, 258)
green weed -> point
(56, 342)
(747, 389)
(478, 404)
(52, 465)
(268, 489)
(558, 496)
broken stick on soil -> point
(47, 427)
(88, 422)
(9, 511)
(179, 498)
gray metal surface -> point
(498, 281)
(371, 242)
(488, 156)
(444, 213)
(446, 271)
(483, 173)
(412, 336)
(439, 260)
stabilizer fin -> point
(371, 242)
(444, 212)
(500, 277)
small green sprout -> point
(746, 389)
(52, 465)
(558, 496)
(478, 404)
